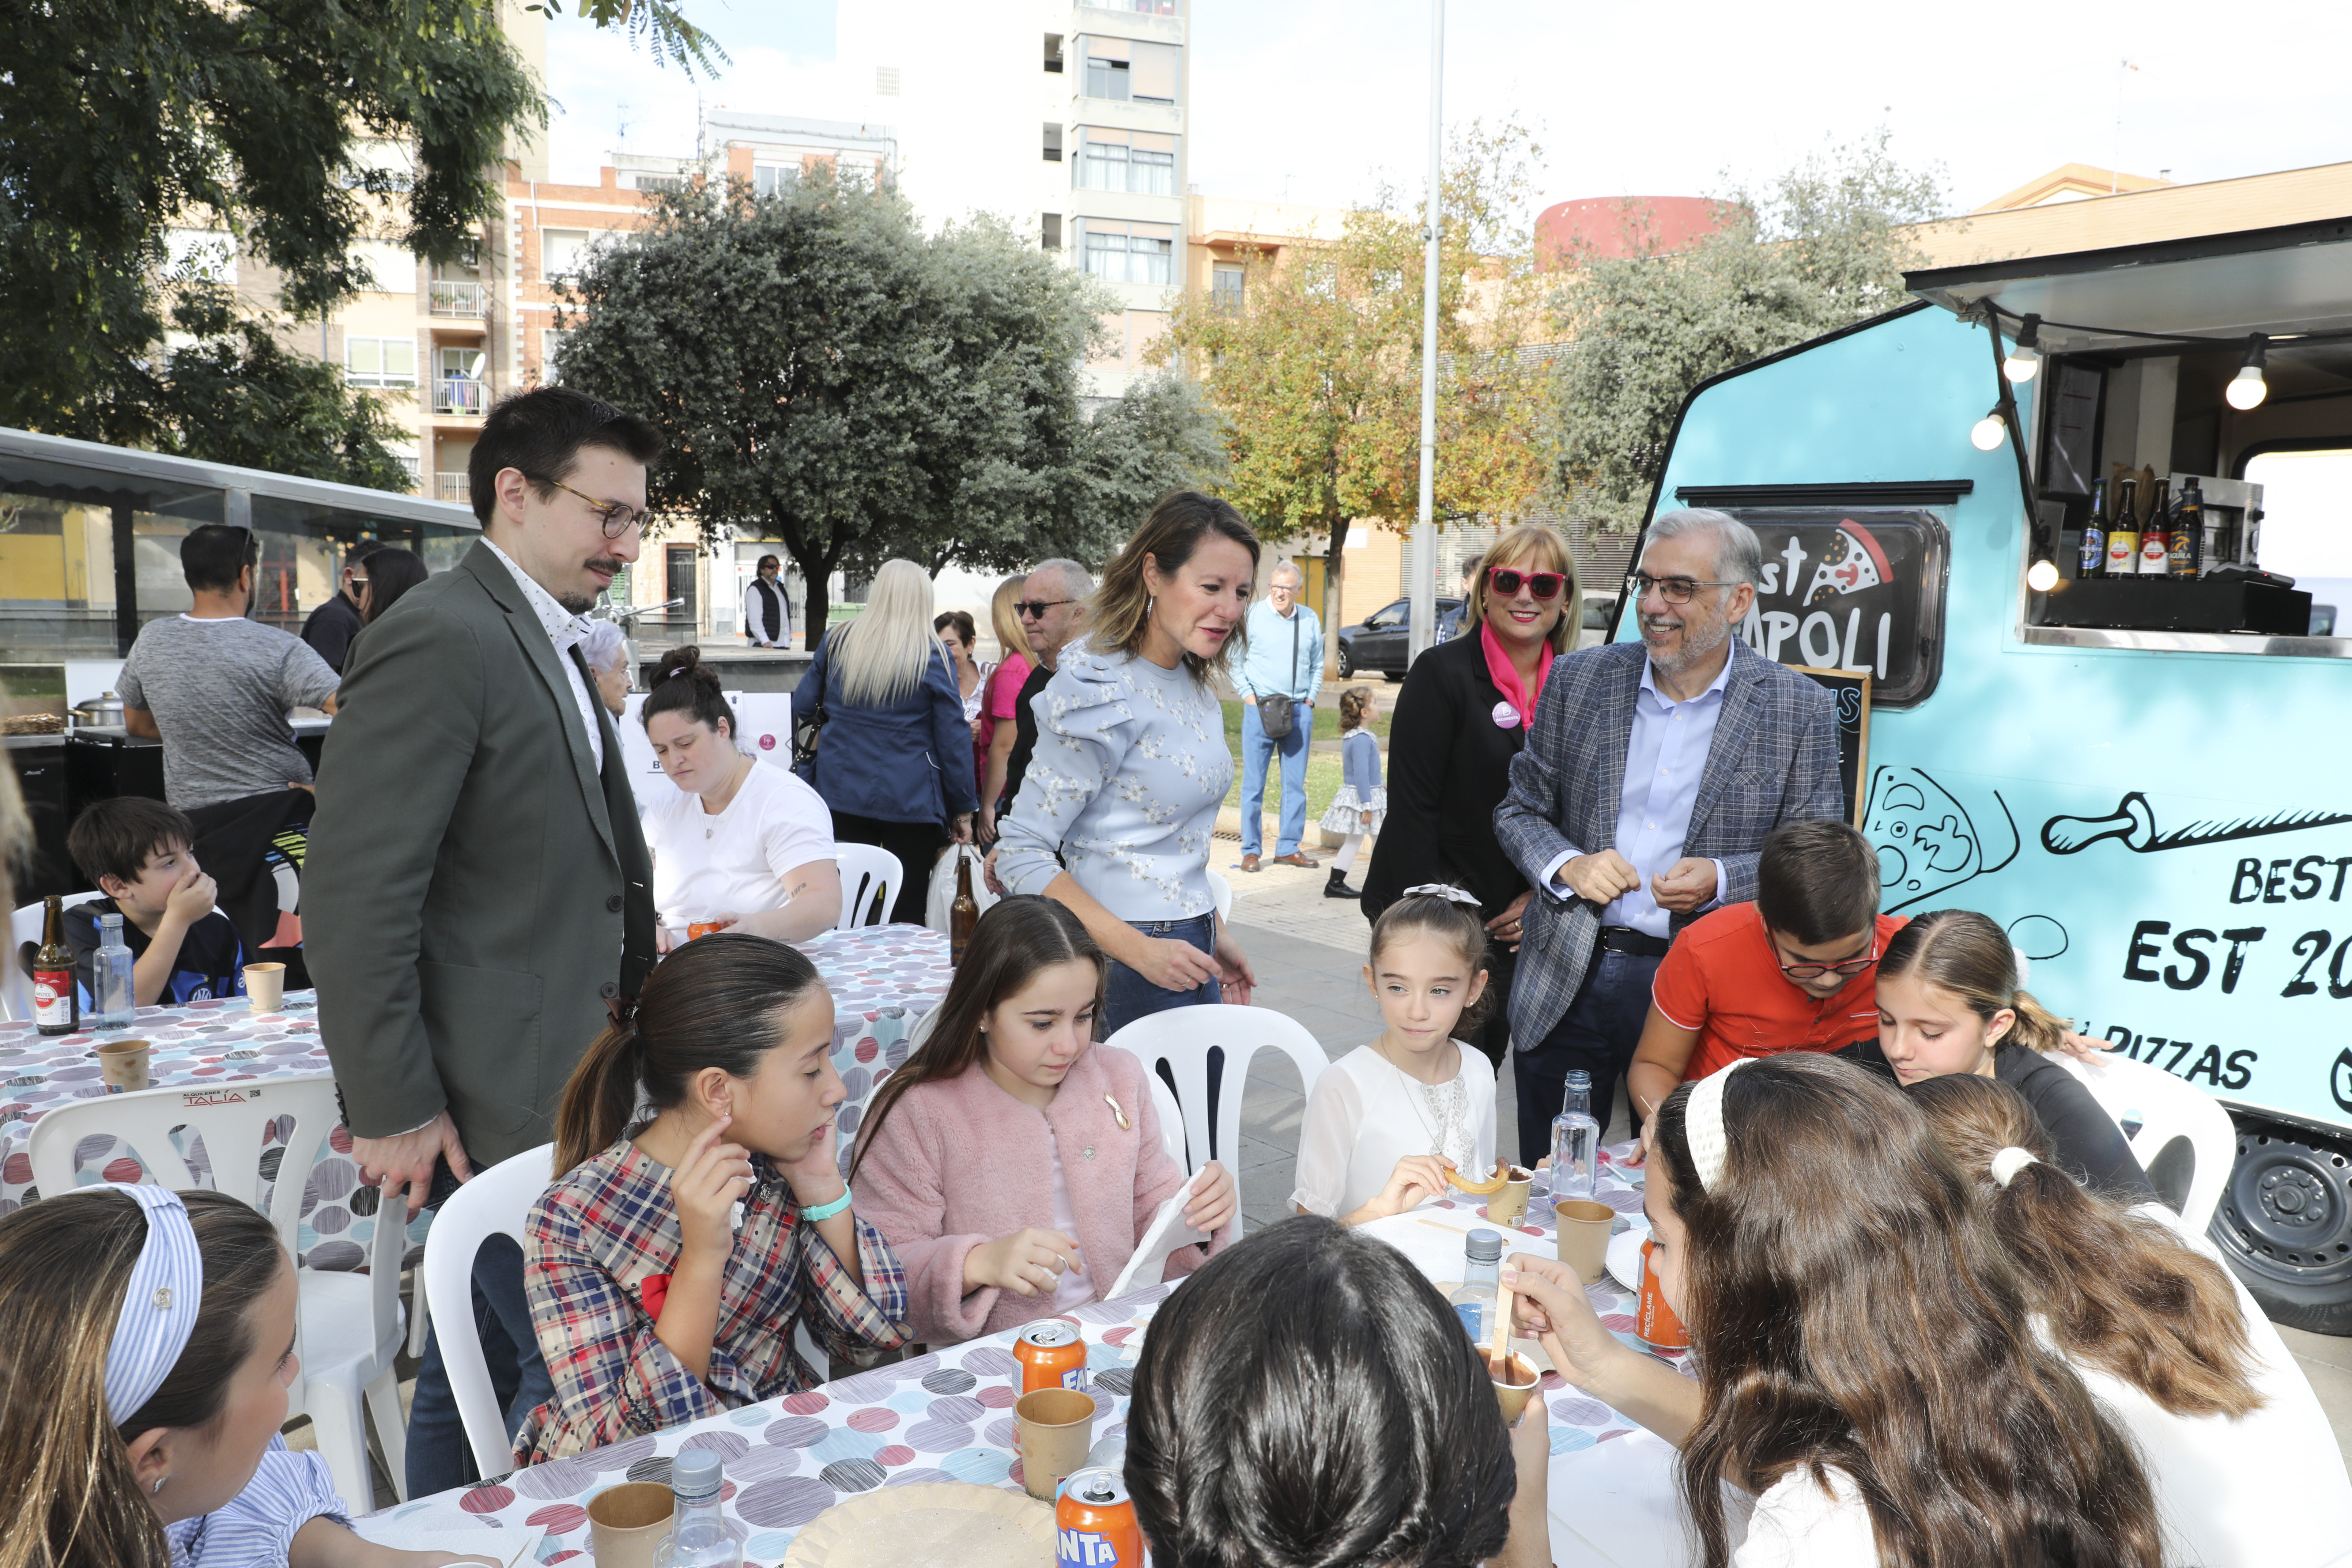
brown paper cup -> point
(265, 987)
(1516, 1386)
(1584, 1235)
(626, 1524)
(1509, 1206)
(1054, 1428)
(124, 1064)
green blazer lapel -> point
(539, 649)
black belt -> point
(1624, 938)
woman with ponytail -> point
(146, 1345)
(1949, 1002)
(655, 1301)
(2165, 1337)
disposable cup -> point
(1516, 1384)
(1584, 1235)
(265, 987)
(1053, 1430)
(627, 1523)
(1509, 1206)
(125, 1064)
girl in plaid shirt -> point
(667, 1269)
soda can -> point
(1654, 1323)
(702, 927)
(1094, 1522)
(1052, 1355)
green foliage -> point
(1823, 245)
(658, 21)
(827, 373)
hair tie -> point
(1445, 890)
(2009, 1160)
(159, 1306)
(1703, 1125)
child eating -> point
(136, 851)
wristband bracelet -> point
(828, 1210)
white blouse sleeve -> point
(1327, 1142)
(1797, 1525)
(1083, 730)
(796, 829)
(288, 1491)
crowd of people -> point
(1938, 1313)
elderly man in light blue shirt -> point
(1283, 657)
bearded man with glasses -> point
(1651, 777)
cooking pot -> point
(103, 710)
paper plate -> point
(1625, 1257)
(938, 1524)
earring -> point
(158, 1486)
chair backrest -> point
(495, 1202)
(2170, 1123)
(1183, 1038)
(25, 927)
(870, 880)
(1171, 1114)
(1221, 887)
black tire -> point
(2285, 1224)
(1346, 668)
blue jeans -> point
(1597, 1033)
(1256, 751)
(439, 1457)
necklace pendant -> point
(1090, 1152)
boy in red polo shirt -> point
(1795, 970)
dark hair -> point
(1968, 954)
(1121, 607)
(966, 629)
(1352, 703)
(2121, 1291)
(65, 1465)
(684, 684)
(117, 837)
(1817, 882)
(1016, 938)
(391, 572)
(711, 1004)
(767, 561)
(1427, 914)
(540, 433)
(1850, 1309)
(211, 556)
(1308, 1399)
(359, 550)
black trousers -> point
(916, 844)
(1599, 1033)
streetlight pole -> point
(1423, 588)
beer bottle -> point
(56, 1002)
(2091, 560)
(2155, 534)
(964, 913)
(2189, 532)
(2122, 530)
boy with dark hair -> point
(1794, 971)
(181, 949)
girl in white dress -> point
(1391, 1118)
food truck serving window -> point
(1853, 588)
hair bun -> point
(686, 661)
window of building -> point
(550, 353)
(1106, 68)
(775, 179)
(886, 81)
(1053, 231)
(391, 269)
(1129, 252)
(1225, 287)
(1141, 7)
(561, 251)
(380, 361)
(1135, 160)
(672, 182)
(1053, 142)
(1151, 75)
(1054, 53)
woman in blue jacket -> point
(894, 758)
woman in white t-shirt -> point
(746, 845)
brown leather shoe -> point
(1298, 857)
(1249, 862)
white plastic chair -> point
(349, 1326)
(495, 1202)
(1183, 1038)
(1171, 1114)
(869, 874)
(2157, 1112)
(1221, 887)
(24, 926)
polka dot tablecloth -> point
(883, 979)
(943, 1416)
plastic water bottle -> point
(109, 974)
(698, 1536)
(1475, 1298)
(1575, 1141)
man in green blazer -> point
(478, 896)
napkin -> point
(1161, 1237)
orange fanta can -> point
(1654, 1323)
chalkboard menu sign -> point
(1851, 691)
(1859, 590)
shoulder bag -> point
(1275, 714)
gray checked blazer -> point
(1774, 760)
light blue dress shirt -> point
(1666, 756)
(1284, 656)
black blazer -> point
(1449, 768)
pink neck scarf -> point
(1506, 675)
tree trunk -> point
(1334, 566)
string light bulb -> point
(1989, 432)
(2026, 357)
(2042, 576)
(2248, 388)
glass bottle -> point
(109, 974)
(1575, 1141)
(698, 1536)
(2093, 560)
(1482, 1267)
(57, 999)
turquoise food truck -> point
(2146, 778)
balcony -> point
(451, 298)
(459, 395)
(454, 487)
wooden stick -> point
(1499, 1353)
(1441, 1224)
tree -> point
(1824, 244)
(1318, 375)
(825, 372)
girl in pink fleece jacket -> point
(1013, 1162)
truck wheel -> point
(1346, 669)
(2285, 1227)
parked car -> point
(1376, 645)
